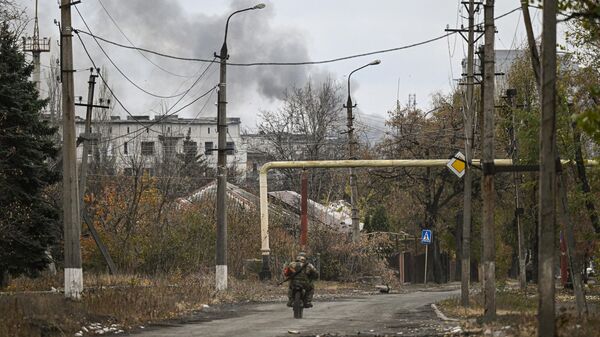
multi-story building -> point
(145, 142)
(504, 58)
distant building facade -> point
(504, 60)
(145, 142)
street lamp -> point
(351, 150)
(221, 251)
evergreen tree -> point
(29, 224)
(376, 220)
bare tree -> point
(12, 15)
(307, 127)
(427, 135)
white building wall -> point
(126, 138)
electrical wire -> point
(127, 110)
(144, 126)
(133, 45)
(299, 63)
(119, 69)
(161, 119)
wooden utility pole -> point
(488, 235)
(547, 191)
(72, 226)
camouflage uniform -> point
(304, 278)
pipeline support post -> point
(265, 273)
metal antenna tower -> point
(36, 47)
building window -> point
(148, 171)
(148, 148)
(208, 148)
(125, 148)
(110, 129)
(147, 130)
(127, 129)
(230, 148)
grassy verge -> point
(516, 314)
(125, 301)
(128, 301)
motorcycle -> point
(299, 296)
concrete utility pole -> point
(465, 277)
(72, 226)
(560, 180)
(84, 166)
(511, 94)
(87, 134)
(36, 47)
(488, 235)
(535, 58)
(547, 196)
(221, 254)
(352, 156)
(472, 7)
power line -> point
(212, 90)
(127, 110)
(133, 45)
(119, 69)
(160, 119)
(192, 59)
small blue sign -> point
(426, 236)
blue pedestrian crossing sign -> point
(426, 236)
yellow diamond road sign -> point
(457, 164)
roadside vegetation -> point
(517, 313)
(163, 245)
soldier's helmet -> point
(301, 257)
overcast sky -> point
(286, 30)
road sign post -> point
(425, 278)
(426, 236)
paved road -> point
(376, 315)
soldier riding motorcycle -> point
(301, 275)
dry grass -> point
(130, 301)
(516, 314)
(127, 301)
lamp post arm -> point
(228, 18)
(353, 71)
